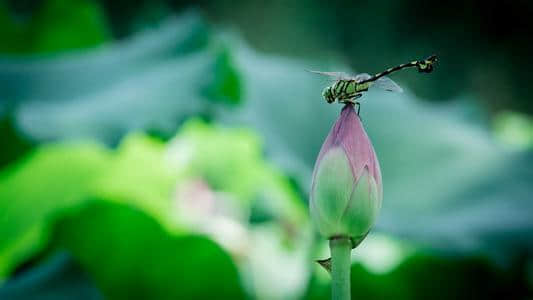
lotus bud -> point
(346, 191)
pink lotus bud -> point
(346, 190)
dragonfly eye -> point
(326, 93)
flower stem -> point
(341, 249)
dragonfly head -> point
(328, 95)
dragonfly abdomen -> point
(393, 69)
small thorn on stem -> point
(325, 263)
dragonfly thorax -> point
(344, 90)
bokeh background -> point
(164, 149)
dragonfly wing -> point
(335, 75)
(361, 77)
(385, 83)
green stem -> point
(341, 249)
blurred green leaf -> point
(11, 33)
(58, 24)
(39, 187)
(157, 99)
(128, 17)
(58, 278)
(278, 266)
(130, 256)
(230, 160)
(228, 190)
(425, 276)
(225, 81)
(514, 129)
(464, 278)
(139, 174)
(71, 77)
(142, 172)
(152, 83)
(55, 27)
(14, 145)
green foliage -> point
(58, 278)
(58, 25)
(55, 178)
(11, 33)
(237, 173)
(225, 85)
(424, 276)
(515, 129)
(230, 160)
(140, 178)
(138, 175)
(39, 187)
(163, 77)
(14, 145)
(130, 256)
(55, 27)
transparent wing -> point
(335, 75)
(385, 83)
(361, 77)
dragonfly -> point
(348, 88)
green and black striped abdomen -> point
(424, 66)
(391, 70)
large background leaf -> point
(58, 278)
(26, 209)
(130, 256)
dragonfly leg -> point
(345, 101)
(353, 101)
